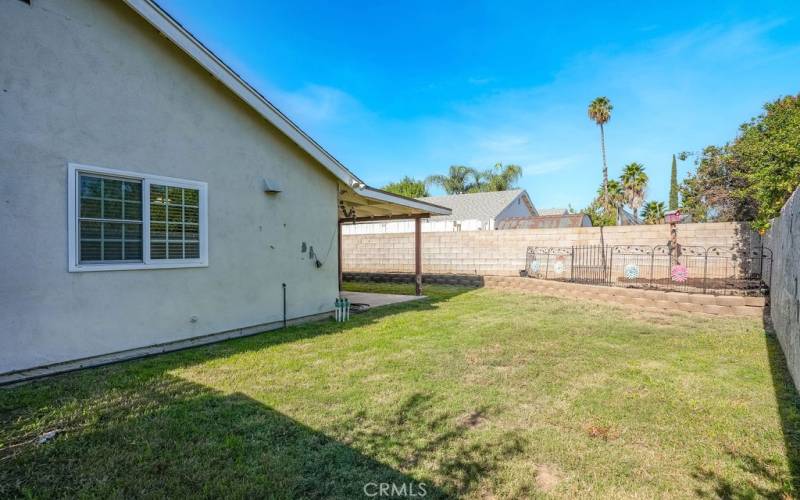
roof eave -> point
(385, 196)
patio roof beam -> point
(372, 211)
(378, 218)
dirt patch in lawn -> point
(472, 419)
(547, 477)
(604, 432)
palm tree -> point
(481, 180)
(653, 212)
(634, 185)
(600, 112)
(461, 179)
(457, 180)
(615, 196)
(499, 178)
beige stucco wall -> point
(783, 239)
(503, 252)
(90, 82)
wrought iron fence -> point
(718, 270)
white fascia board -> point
(178, 35)
(377, 194)
(525, 194)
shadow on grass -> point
(788, 402)
(132, 429)
(465, 462)
(765, 470)
(180, 439)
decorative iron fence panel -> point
(693, 269)
(589, 264)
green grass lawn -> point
(477, 393)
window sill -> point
(135, 266)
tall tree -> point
(616, 197)
(608, 213)
(600, 112)
(597, 213)
(459, 179)
(750, 178)
(673, 186)
(766, 155)
(711, 192)
(694, 199)
(634, 186)
(499, 178)
(653, 212)
(408, 187)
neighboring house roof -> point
(553, 211)
(628, 219)
(177, 34)
(546, 222)
(477, 206)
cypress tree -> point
(673, 186)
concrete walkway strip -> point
(378, 299)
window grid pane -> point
(110, 229)
(174, 227)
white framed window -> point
(120, 220)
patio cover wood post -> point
(339, 224)
(418, 255)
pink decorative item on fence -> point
(679, 273)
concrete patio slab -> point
(378, 299)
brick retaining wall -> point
(650, 300)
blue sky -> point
(410, 88)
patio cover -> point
(361, 203)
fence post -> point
(771, 258)
(669, 246)
(705, 270)
(652, 264)
(610, 265)
(572, 265)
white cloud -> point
(317, 105)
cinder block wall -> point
(784, 240)
(503, 252)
